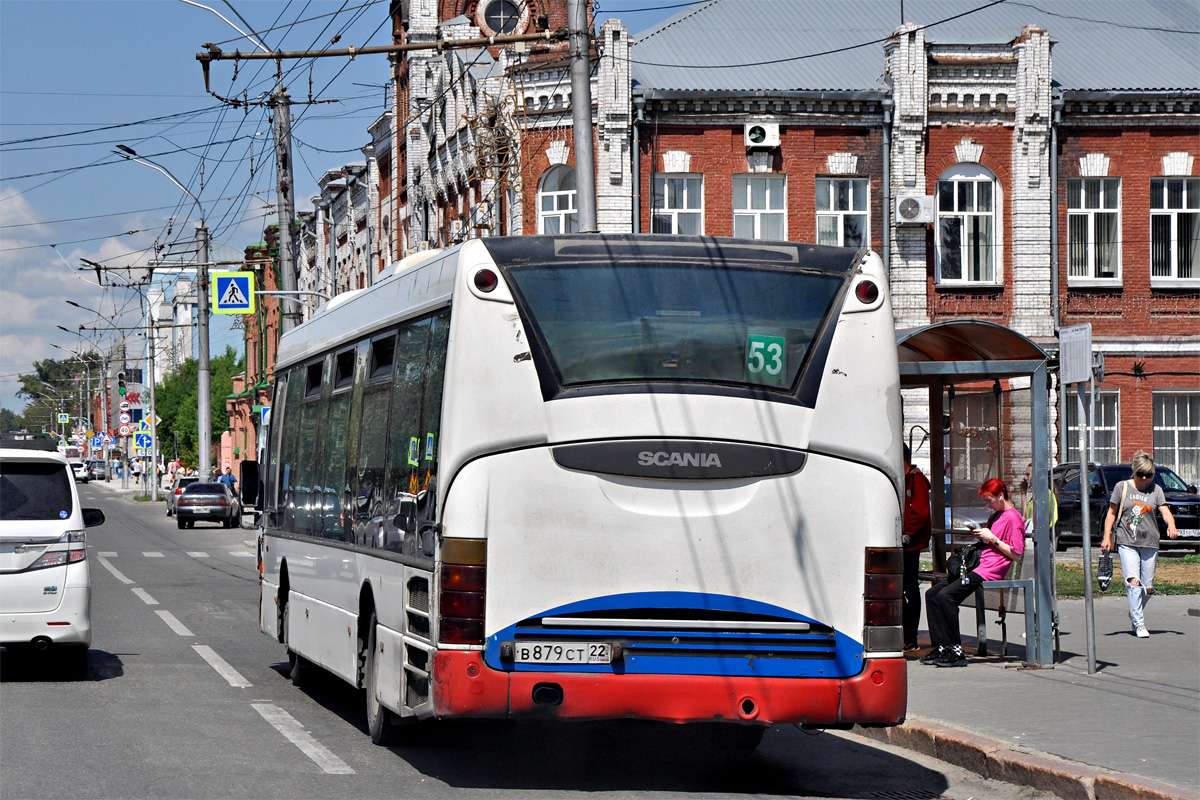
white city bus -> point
(587, 477)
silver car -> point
(177, 489)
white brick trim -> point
(1094, 165)
(677, 161)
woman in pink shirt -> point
(1003, 543)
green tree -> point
(176, 399)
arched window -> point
(968, 234)
(556, 201)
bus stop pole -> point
(1085, 496)
(1042, 653)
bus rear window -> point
(621, 322)
(34, 490)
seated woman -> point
(1004, 542)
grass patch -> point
(145, 498)
(1172, 576)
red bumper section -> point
(466, 687)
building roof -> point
(837, 45)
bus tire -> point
(297, 665)
(380, 720)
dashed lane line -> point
(152, 554)
(174, 623)
(197, 554)
(286, 724)
(146, 598)
(241, 553)
(221, 666)
(106, 554)
(116, 572)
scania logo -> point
(661, 458)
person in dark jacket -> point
(917, 528)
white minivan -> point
(45, 585)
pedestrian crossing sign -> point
(232, 293)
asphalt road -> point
(184, 697)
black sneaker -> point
(933, 656)
(951, 659)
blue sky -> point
(79, 78)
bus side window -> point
(289, 450)
(405, 439)
(431, 417)
(373, 443)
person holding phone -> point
(1004, 542)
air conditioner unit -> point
(762, 134)
(914, 209)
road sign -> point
(124, 418)
(123, 430)
(142, 440)
(1075, 353)
(232, 293)
(64, 419)
(124, 406)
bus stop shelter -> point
(955, 352)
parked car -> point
(181, 482)
(45, 584)
(80, 470)
(215, 502)
(97, 470)
(1182, 499)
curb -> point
(994, 759)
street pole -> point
(289, 315)
(581, 114)
(203, 376)
(107, 423)
(150, 336)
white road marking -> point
(221, 666)
(106, 554)
(146, 598)
(286, 724)
(198, 554)
(241, 553)
(116, 573)
(152, 554)
(175, 624)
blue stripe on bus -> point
(752, 653)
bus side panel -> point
(324, 634)
(268, 608)
(389, 656)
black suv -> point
(1102, 479)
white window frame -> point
(975, 175)
(565, 209)
(1108, 420)
(1164, 211)
(662, 210)
(1089, 202)
(857, 203)
(771, 204)
(1180, 456)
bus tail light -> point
(462, 593)
(882, 604)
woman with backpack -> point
(1002, 542)
(1131, 511)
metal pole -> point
(107, 423)
(203, 377)
(289, 314)
(1043, 546)
(581, 114)
(1085, 512)
(150, 335)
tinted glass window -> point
(404, 454)
(675, 322)
(204, 488)
(34, 491)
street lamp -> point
(204, 401)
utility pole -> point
(289, 315)
(203, 374)
(152, 471)
(581, 113)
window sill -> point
(1178, 284)
(958, 286)
(1094, 283)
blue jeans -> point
(1137, 563)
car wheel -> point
(168, 512)
(379, 718)
(181, 524)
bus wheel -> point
(379, 719)
(297, 666)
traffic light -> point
(121, 383)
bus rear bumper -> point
(464, 686)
